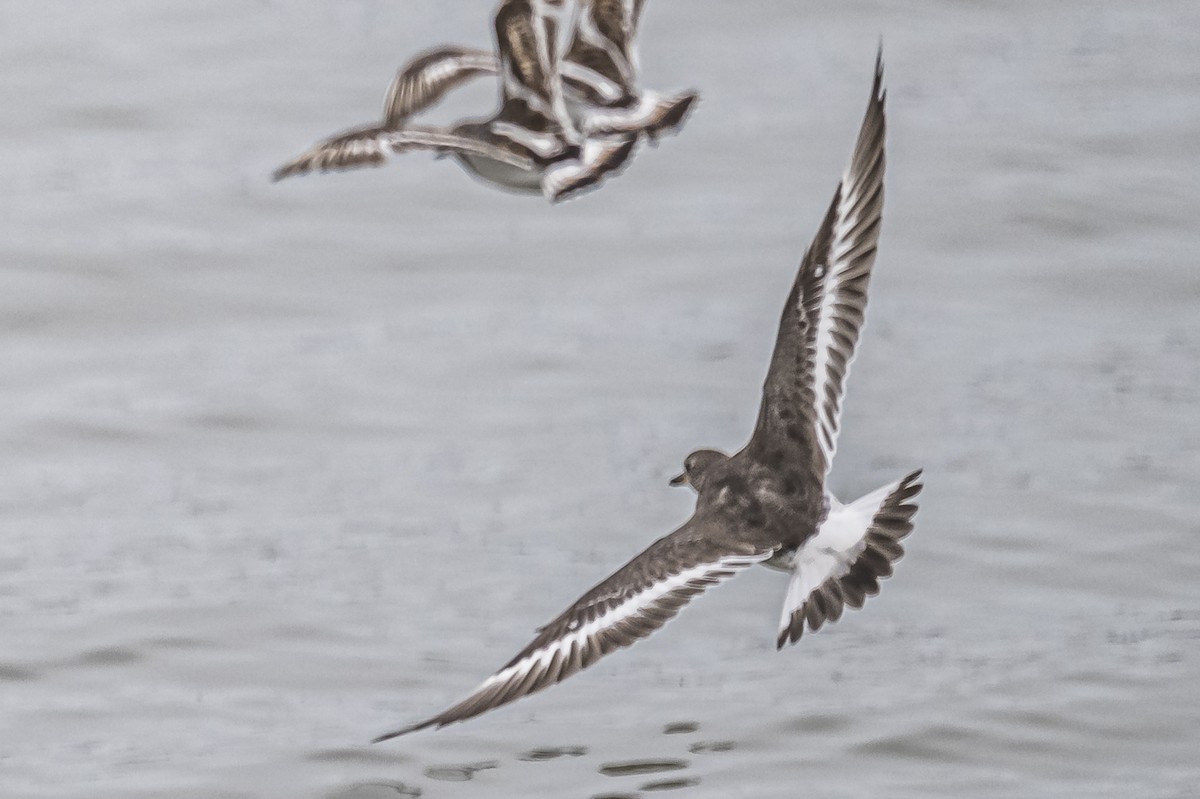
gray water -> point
(285, 466)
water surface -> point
(285, 466)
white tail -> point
(843, 562)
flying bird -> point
(534, 142)
(598, 71)
(600, 75)
(768, 503)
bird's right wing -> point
(428, 77)
(636, 600)
(603, 47)
(373, 145)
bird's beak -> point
(680, 479)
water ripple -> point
(350, 755)
(375, 790)
(671, 785)
(110, 656)
(641, 767)
(10, 672)
(553, 752)
(458, 773)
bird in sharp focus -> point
(768, 503)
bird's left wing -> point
(636, 600)
(823, 317)
(429, 76)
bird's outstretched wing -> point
(636, 600)
(603, 43)
(373, 145)
(422, 83)
(525, 43)
(426, 79)
(802, 396)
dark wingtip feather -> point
(387, 736)
(287, 170)
(611, 165)
(912, 482)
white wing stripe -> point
(833, 348)
(605, 88)
(690, 580)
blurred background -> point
(287, 465)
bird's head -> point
(697, 466)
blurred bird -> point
(600, 75)
(534, 142)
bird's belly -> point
(501, 174)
